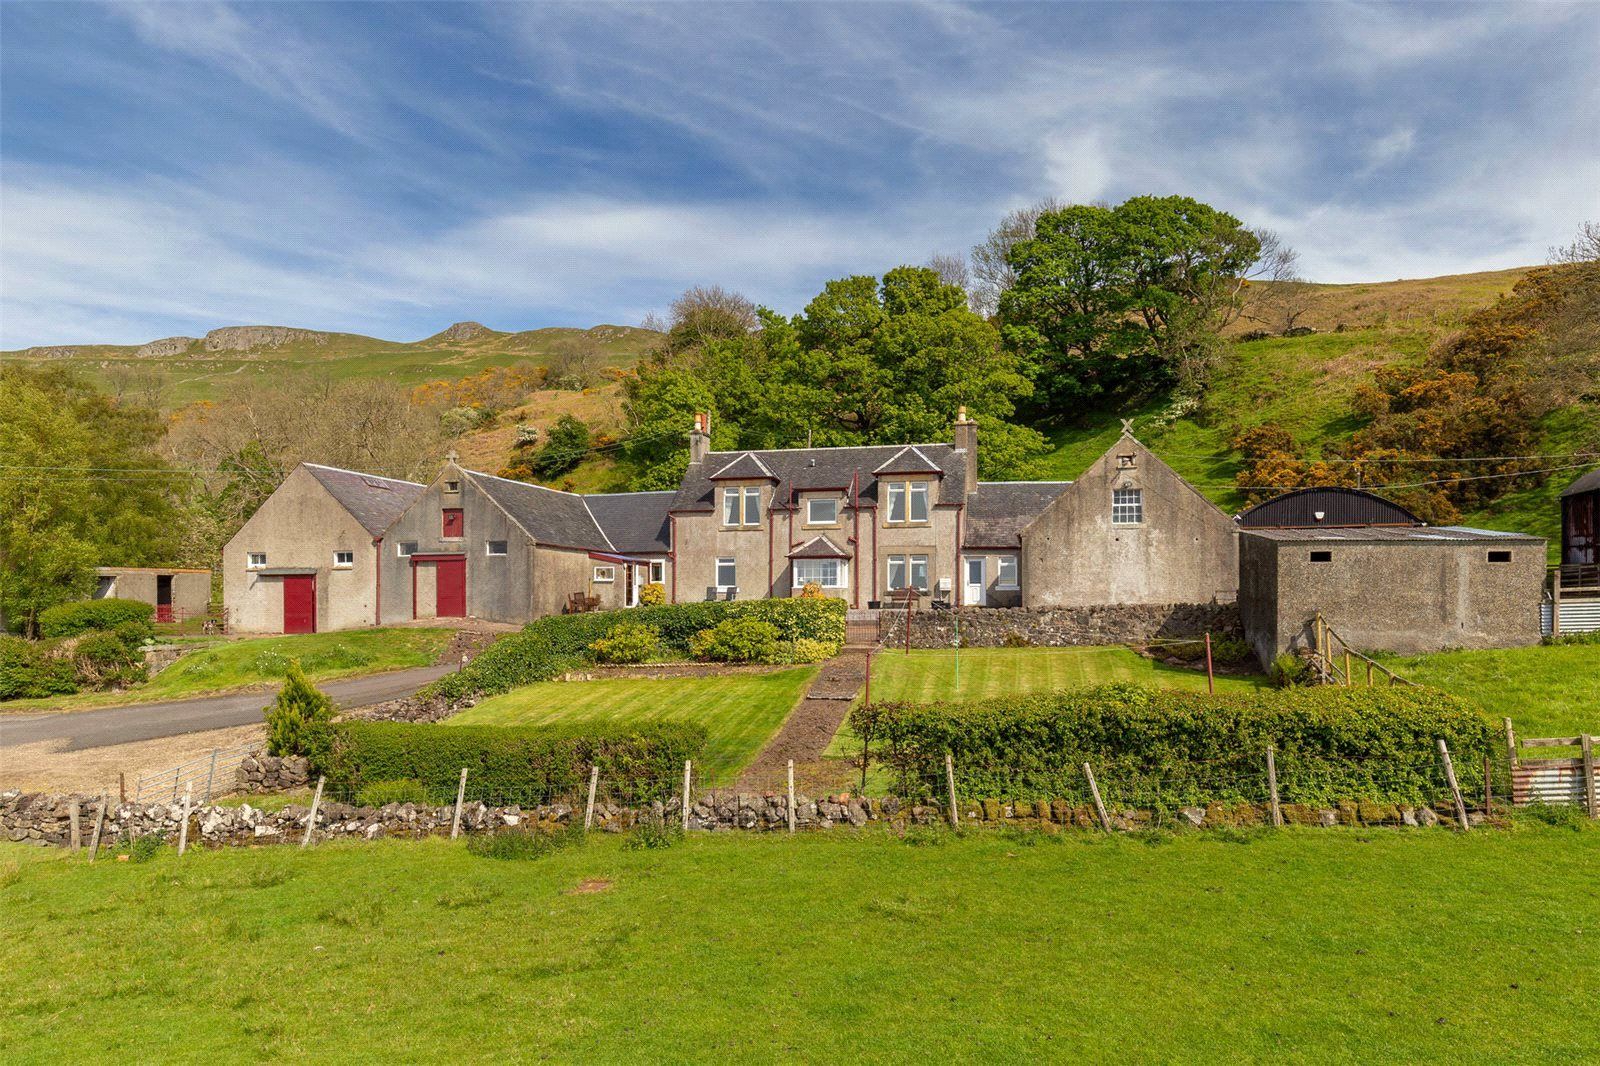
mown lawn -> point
(1545, 690)
(241, 664)
(742, 711)
(1308, 946)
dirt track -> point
(808, 731)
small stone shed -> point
(1404, 589)
(175, 592)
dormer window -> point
(741, 506)
(908, 502)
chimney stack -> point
(700, 437)
(966, 440)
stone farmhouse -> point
(876, 526)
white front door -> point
(973, 596)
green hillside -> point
(173, 374)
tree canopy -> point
(868, 361)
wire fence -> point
(205, 777)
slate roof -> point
(1395, 534)
(1589, 482)
(748, 465)
(999, 511)
(373, 501)
(799, 469)
(908, 460)
(550, 516)
(636, 522)
(819, 547)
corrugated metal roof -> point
(1393, 534)
(1589, 482)
(1326, 507)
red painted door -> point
(300, 603)
(452, 588)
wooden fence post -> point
(311, 820)
(1555, 601)
(211, 775)
(1099, 807)
(77, 833)
(1272, 784)
(686, 774)
(1349, 682)
(950, 787)
(1588, 776)
(461, 797)
(1455, 789)
(1211, 677)
(588, 810)
(1511, 743)
(183, 827)
(99, 826)
(122, 787)
(791, 795)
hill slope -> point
(173, 371)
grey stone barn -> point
(475, 545)
(1130, 530)
(1388, 587)
(308, 560)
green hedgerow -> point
(28, 670)
(298, 720)
(70, 619)
(627, 642)
(383, 793)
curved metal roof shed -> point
(1326, 508)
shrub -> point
(382, 793)
(1013, 639)
(70, 619)
(101, 659)
(1289, 670)
(627, 642)
(523, 844)
(29, 671)
(811, 590)
(134, 635)
(508, 763)
(147, 847)
(806, 650)
(299, 719)
(737, 640)
(1574, 638)
(653, 595)
(1152, 747)
(1231, 651)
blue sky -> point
(392, 168)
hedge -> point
(70, 619)
(1162, 749)
(549, 647)
(639, 762)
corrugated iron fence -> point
(1554, 779)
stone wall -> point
(44, 820)
(268, 773)
(1059, 627)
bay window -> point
(828, 573)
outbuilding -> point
(177, 593)
(1399, 588)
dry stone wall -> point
(1059, 627)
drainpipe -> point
(789, 539)
(855, 539)
(377, 575)
(960, 579)
(772, 531)
(672, 554)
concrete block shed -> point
(1406, 589)
(175, 592)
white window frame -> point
(1002, 564)
(733, 572)
(255, 560)
(488, 548)
(897, 500)
(908, 565)
(841, 573)
(1127, 507)
(605, 575)
(730, 506)
(752, 505)
(400, 549)
(811, 515)
(338, 564)
(658, 572)
(916, 492)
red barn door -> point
(452, 594)
(300, 603)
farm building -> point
(1380, 578)
(1130, 530)
(475, 545)
(176, 593)
(307, 560)
(1575, 582)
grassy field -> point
(242, 664)
(1310, 946)
(1545, 691)
(742, 711)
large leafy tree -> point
(81, 487)
(868, 361)
(1111, 302)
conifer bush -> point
(299, 720)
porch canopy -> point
(620, 560)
